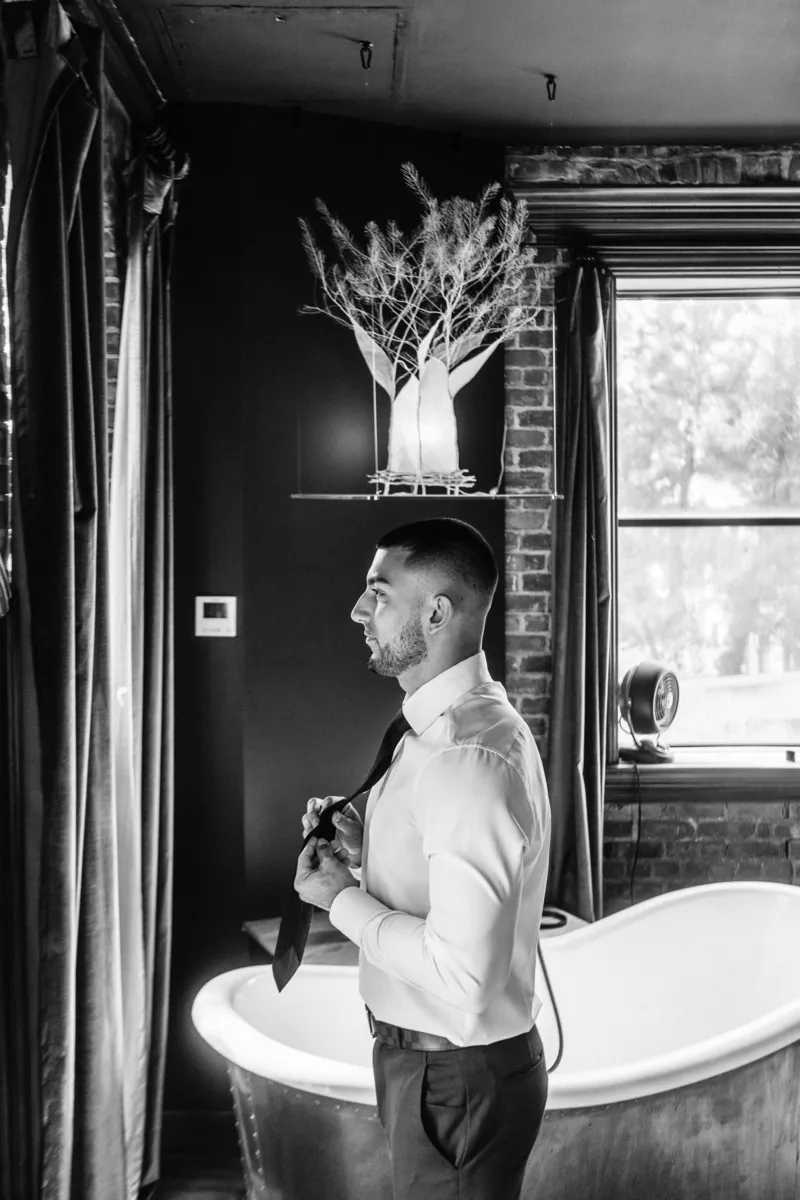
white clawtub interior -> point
(665, 996)
(674, 990)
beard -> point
(407, 649)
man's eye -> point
(375, 592)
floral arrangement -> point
(427, 310)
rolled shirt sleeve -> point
(476, 822)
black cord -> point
(638, 825)
(552, 918)
(556, 920)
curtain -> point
(95, 872)
(142, 641)
(5, 396)
(18, 1083)
(582, 594)
(56, 293)
(19, 1113)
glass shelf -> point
(425, 496)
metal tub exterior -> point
(296, 1144)
(735, 1137)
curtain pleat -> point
(17, 1106)
(19, 1109)
(142, 641)
(158, 727)
(126, 642)
(582, 596)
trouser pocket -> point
(443, 1105)
(380, 1080)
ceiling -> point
(626, 70)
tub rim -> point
(628, 916)
(236, 1041)
(227, 1032)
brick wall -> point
(117, 152)
(681, 844)
(529, 382)
(114, 279)
(654, 166)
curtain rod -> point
(126, 70)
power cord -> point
(555, 920)
(638, 826)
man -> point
(447, 910)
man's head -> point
(428, 591)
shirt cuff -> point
(352, 909)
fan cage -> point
(665, 701)
(645, 696)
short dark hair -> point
(451, 545)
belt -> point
(407, 1039)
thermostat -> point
(215, 616)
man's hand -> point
(349, 838)
(320, 876)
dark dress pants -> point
(461, 1124)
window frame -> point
(669, 232)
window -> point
(657, 241)
(708, 506)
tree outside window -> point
(708, 430)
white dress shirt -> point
(454, 865)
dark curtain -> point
(19, 1112)
(582, 593)
(5, 397)
(56, 293)
(95, 1052)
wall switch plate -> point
(215, 616)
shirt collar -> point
(437, 695)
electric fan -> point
(648, 702)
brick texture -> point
(684, 844)
(117, 152)
(529, 376)
(654, 166)
(680, 844)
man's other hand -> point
(349, 837)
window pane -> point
(708, 404)
(721, 605)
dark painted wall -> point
(287, 709)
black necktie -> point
(296, 919)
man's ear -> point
(441, 612)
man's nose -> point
(359, 613)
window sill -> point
(693, 780)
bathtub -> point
(679, 1075)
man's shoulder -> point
(485, 724)
(486, 718)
